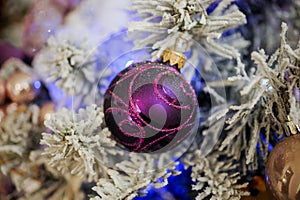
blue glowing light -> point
(58, 96)
(212, 6)
(263, 138)
(37, 84)
(179, 187)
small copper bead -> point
(45, 112)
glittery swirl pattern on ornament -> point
(150, 107)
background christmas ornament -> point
(46, 110)
(22, 88)
(283, 167)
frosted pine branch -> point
(69, 61)
(29, 180)
(78, 144)
(119, 186)
(268, 96)
(19, 141)
(212, 177)
(17, 133)
(172, 24)
(131, 177)
(16, 127)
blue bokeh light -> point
(37, 85)
(179, 187)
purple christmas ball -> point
(150, 107)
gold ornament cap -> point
(174, 58)
(290, 127)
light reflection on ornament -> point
(129, 63)
(37, 85)
(20, 87)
